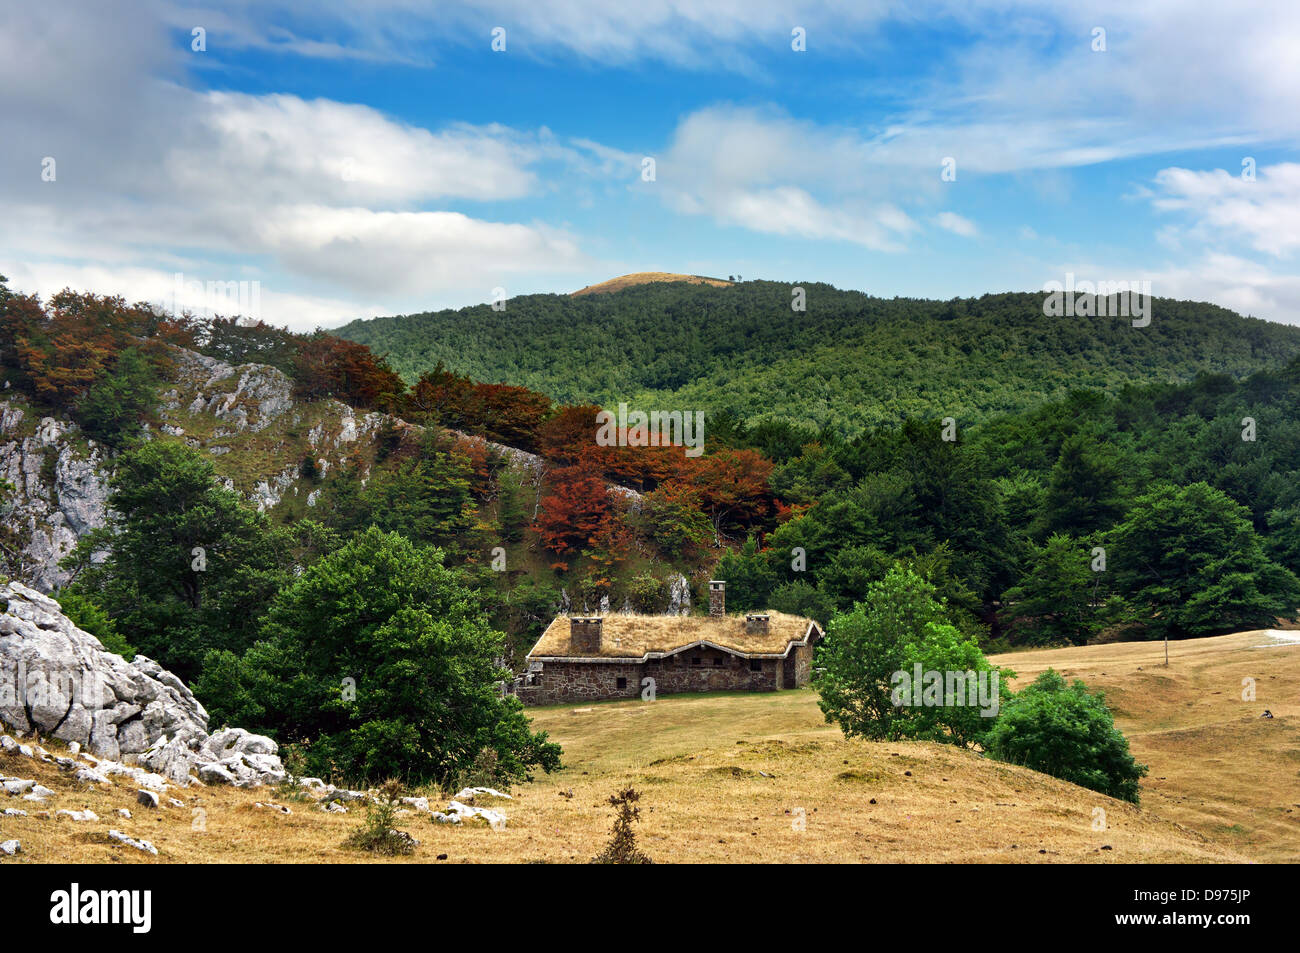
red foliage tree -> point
(328, 366)
(569, 518)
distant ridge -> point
(849, 360)
(645, 277)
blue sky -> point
(381, 158)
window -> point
(755, 665)
(717, 661)
(622, 683)
(695, 660)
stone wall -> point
(698, 670)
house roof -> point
(639, 637)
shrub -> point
(379, 833)
(647, 594)
(622, 848)
(1069, 733)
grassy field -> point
(761, 778)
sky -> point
(349, 160)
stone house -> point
(588, 658)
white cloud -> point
(1263, 212)
(1245, 286)
(956, 224)
(767, 172)
(273, 147)
(332, 206)
(299, 311)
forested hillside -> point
(850, 360)
(230, 487)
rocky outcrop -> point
(244, 417)
(59, 492)
(58, 680)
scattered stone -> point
(271, 805)
(123, 812)
(10, 847)
(463, 812)
(1267, 714)
(175, 802)
(312, 784)
(334, 807)
(38, 793)
(143, 845)
(215, 773)
(15, 786)
(404, 837)
(91, 776)
(86, 815)
(468, 794)
(13, 812)
(146, 797)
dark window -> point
(755, 665)
(695, 660)
(717, 661)
(622, 683)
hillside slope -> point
(245, 418)
(849, 360)
(726, 777)
(1217, 766)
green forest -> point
(1131, 509)
(849, 362)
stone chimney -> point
(717, 597)
(756, 624)
(584, 634)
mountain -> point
(647, 277)
(850, 360)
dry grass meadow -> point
(761, 778)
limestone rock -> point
(58, 679)
(86, 815)
(143, 845)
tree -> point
(378, 659)
(188, 567)
(802, 599)
(570, 516)
(1083, 492)
(1059, 599)
(870, 652)
(1069, 733)
(670, 517)
(749, 575)
(1189, 562)
(114, 404)
(328, 366)
(428, 499)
